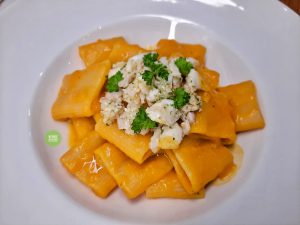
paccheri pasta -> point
(153, 122)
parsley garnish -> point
(112, 83)
(161, 70)
(157, 68)
(150, 59)
(148, 77)
(142, 121)
(180, 98)
(183, 65)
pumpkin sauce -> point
(229, 173)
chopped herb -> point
(142, 121)
(112, 83)
(148, 77)
(161, 70)
(183, 65)
(180, 98)
(157, 68)
(150, 59)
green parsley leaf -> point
(183, 65)
(148, 77)
(142, 121)
(161, 70)
(112, 83)
(149, 59)
(157, 68)
(180, 98)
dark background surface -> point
(293, 4)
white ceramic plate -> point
(258, 40)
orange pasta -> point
(73, 139)
(215, 119)
(209, 78)
(173, 48)
(242, 97)
(201, 160)
(134, 146)
(79, 90)
(83, 125)
(132, 177)
(122, 51)
(170, 187)
(181, 174)
(98, 51)
(80, 161)
(152, 121)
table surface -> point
(293, 4)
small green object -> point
(183, 65)
(161, 70)
(180, 98)
(149, 59)
(112, 83)
(52, 138)
(157, 68)
(148, 77)
(142, 121)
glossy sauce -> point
(229, 173)
(72, 135)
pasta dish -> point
(152, 121)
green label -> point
(52, 138)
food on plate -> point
(133, 178)
(81, 162)
(152, 121)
